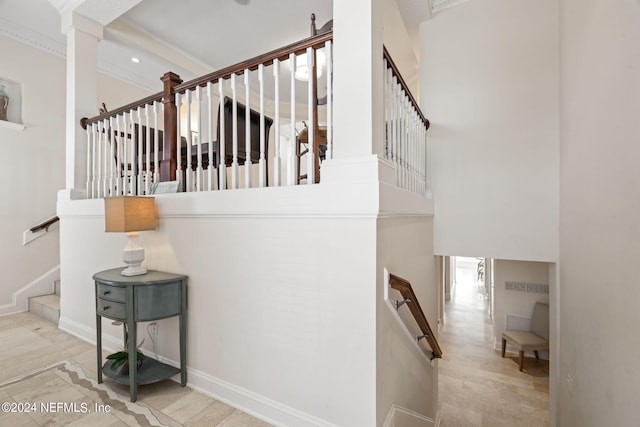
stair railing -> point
(177, 134)
(39, 230)
(411, 300)
(405, 131)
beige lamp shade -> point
(130, 213)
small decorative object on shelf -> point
(121, 358)
(4, 102)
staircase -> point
(47, 306)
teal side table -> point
(144, 298)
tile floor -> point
(29, 343)
(477, 386)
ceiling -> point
(194, 37)
(189, 37)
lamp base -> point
(133, 255)
(134, 271)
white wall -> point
(489, 84)
(397, 41)
(512, 302)
(599, 222)
(405, 377)
(33, 167)
(282, 303)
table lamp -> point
(131, 214)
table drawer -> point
(110, 309)
(112, 293)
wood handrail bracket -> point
(411, 300)
(44, 225)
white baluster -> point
(119, 164)
(387, 113)
(199, 180)
(416, 159)
(328, 49)
(138, 154)
(405, 144)
(395, 129)
(105, 158)
(276, 121)
(292, 164)
(261, 162)
(188, 171)
(399, 148)
(414, 152)
(312, 102)
(156, 148)
(125, 154)
(222, 142)
(132, 152)
(402, 146)
(98, 160)
(112, 156)
(90, 131)
(147, 172)
(247, 131)
(178, 141)
(210, 168)
(234, 133)
(425, 157)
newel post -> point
(168, 165)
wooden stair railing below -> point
(404, 287)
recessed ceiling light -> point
(134, 59)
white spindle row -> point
(120, 157)
(122, 160)
(328, 49)
(199, 111)
(406, 137)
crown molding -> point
(32, 38)
(56, 48)
(100, 11)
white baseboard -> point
(43, 285)
(247, 401)
(402, 417)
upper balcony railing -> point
(405, 131)
(266, 121)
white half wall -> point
(281, 304)
(489, 85)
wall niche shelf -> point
(13, 92)
(11, 125)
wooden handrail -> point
(404, 287)
(282, 53)
(132, 106)
(45, 225)
(405, 87)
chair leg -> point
(504, 346)
(536, 353)
(521, 359)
